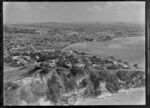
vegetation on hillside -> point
(64, 84)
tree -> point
(136, 65)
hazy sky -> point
(26, 12)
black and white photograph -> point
(74, 53)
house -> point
(53, 63)
(27, 57)
(18, 62)
(81, 65)
(99, 67)
(108, 64)
(37, 57)
(28, 52)
(15, 57)
(115, 62)
(23, 61)
(68, 64)
(125, 66)
(109, 60)
(71, 52)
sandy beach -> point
(124, 97)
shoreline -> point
(114, 99)
(132, 96)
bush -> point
(8, 59)
(128, 77)
(69, 86)
(113, 67)
(136, 65)
(38, 89)
(13, 86)
(89, 91)
(14, 64)
(8, 84)
(44, 71)
(27, 95)
(112, 88)
(124, 75)
(11, 97)
(53, 92)
(93, 76)
(137, 73)
(142, 82)
(111, 80)
(106, 74)
(84, 83)
(77, 71)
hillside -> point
(69, 76)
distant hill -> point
(85, 27)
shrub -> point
(112, 87)
(27, 95)
(124, 75)
(111, 79)
(89, 91)
(136, 65)
(8, 59)
(32, 70)
(69, 86)
(84, 83)
(137, 73)
(11, 97)
(38, 89)
(105, 74)
(113, 67)
(53, 92)
(128, 76)
(13, 86)
(8, 84)
(77, 71)
(142, 82)
(93, 76)
(44, 71)
(14, 64)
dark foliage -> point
(124, 75)
(113, 67)
(38, 89)
(77, 71)
(8, 59)
(89, 92)
(110, 79)
(53, 92)
(112, 87)
(11, 85)
(11, 97)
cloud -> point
(5, 5)
(95, 8)
(123, 4)
(22, 5)
(41, 7)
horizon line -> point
(103, 22)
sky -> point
(30, 12)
